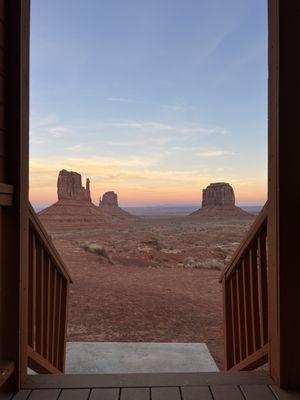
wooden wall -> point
(284, 191)
(14, 160)
(2, 95)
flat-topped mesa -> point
(218, 194)
(69, 187)
(109, 199)
(218, 203)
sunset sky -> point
(153, 99)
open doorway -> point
(153, 102)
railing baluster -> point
(63, 329)
(235, 321)
(59, 305)
(241, 312)
(255, 296)
(263, 286)
(228, 333)
(46, 305)
(52, 310)
(40, 298)
(247, 301)
(32, 291)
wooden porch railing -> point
(245, 301)
(47, 303)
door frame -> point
(284, 222)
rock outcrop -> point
(218, 202)
(110, 204)
(218, 194)
(69, 187)
(109, 199)
(74, 208)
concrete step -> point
(118, 358)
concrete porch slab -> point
(118, 358)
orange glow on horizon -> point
(138, 185)
(48, 195)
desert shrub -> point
(211, 263)
(153, 242)
(96, 248)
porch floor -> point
(174, 386)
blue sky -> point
(154, 99)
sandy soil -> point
(155, 279)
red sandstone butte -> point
(109, 199)
(69, 187)
(218, 201)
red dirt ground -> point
(153, 286)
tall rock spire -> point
(69, 187)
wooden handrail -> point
(257, 226)
(6, 370)
(6, 194)
(245, 300)
(47, 242)
(48, 292)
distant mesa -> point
(69, 187)
(218, 194)
(110, 204)
(218, 201)
(109, 199)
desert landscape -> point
(145, 277)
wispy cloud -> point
(57, 131)
(213, 153)
(117, 133)
(46, 126)
(158, 127)
(177, 107)
(119, 99)
(76, 147)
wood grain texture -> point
(6, 199)
(74, 394)
(178, 386)
(45, 394)
(196, 393)
(226, 393)
(22, 395)
(135, 394)
(105, 394)
(147, 380)
(40, 364)
(282, 394)
(165, 393)
(257, 393)
(7, 369)
(255, 360)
